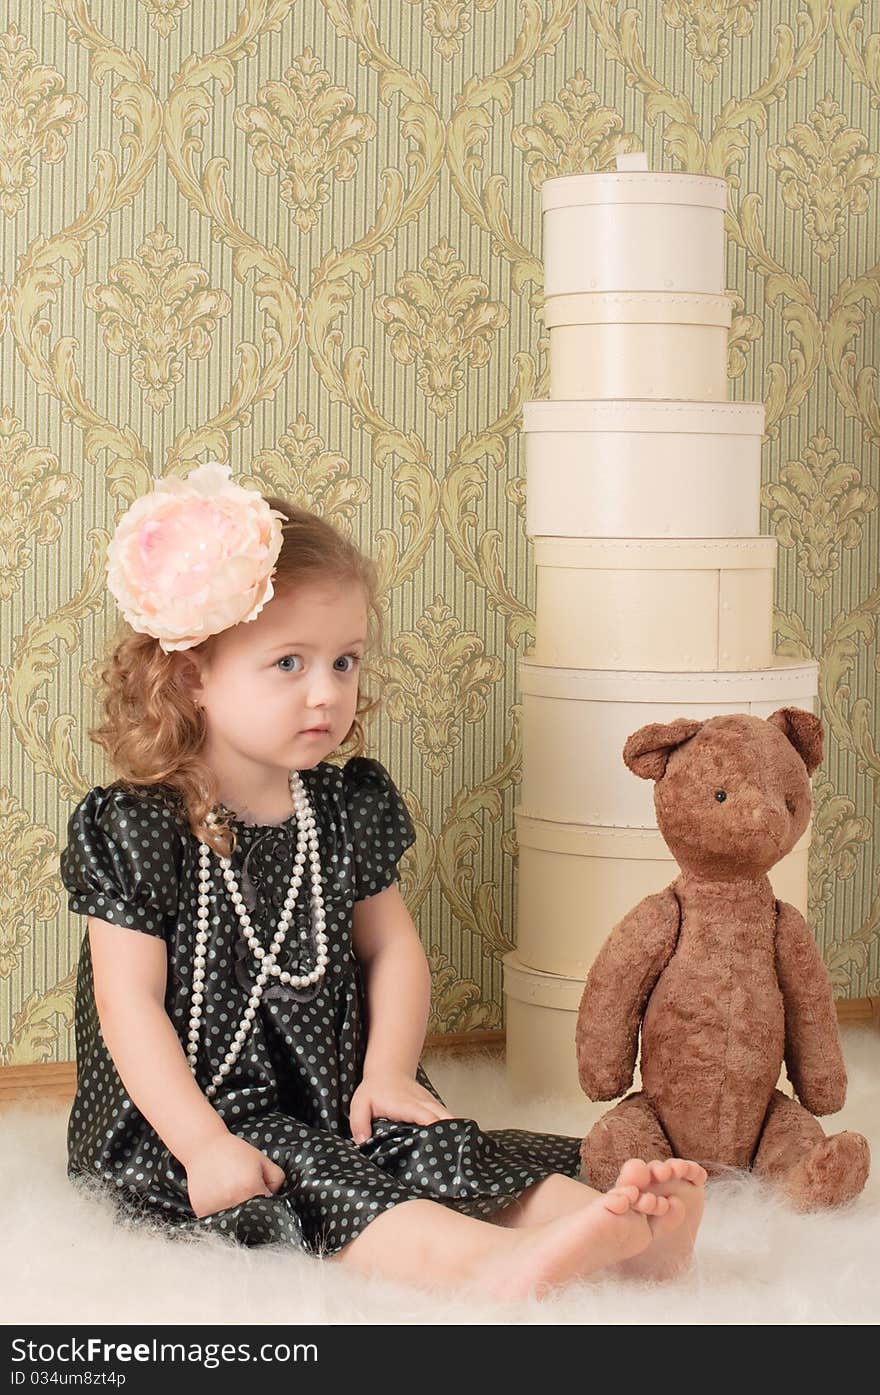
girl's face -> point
(268, 681)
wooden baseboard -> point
(459, 1042)
(47, 1084)
(54, 1084)
(861, 1012)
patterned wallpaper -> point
(305, 236)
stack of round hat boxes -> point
(654, 588)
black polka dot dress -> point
(131, 859)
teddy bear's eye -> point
(789, 803)
(721, 795)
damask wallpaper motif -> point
(304, 236)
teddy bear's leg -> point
(630, 1130)
(814, 1171)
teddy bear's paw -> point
(630, 1130)
(831, 1173)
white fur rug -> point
(757, 1261)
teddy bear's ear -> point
(804, 731)
(648, 749)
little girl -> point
(249, 1062)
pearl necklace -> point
(306, 835)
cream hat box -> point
(633, 230)
(541, 1015)
(654, 603)
(642, 469)
(638, 344)
(575, 723)
(634, 296)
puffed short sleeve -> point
(122, 860)
(381, 827)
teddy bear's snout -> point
(750, 831)
(766, 837)
(750, 812)
(772, 819)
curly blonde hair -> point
(154, 730)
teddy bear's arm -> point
(618, 986)
(813, 1057)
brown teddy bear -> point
(723, 980)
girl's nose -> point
(320, 689)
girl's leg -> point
(418, 1240)
(425, 1243)
(555, 1195)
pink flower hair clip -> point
(194, 557)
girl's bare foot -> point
(610, 1230)
(682, 1182)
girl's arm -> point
(397, 980)
(130, 974)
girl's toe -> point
(661, 1169)
(634, 1172)
(617, 1201)
(650, 1204)
(689, 1171)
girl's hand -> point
(227, 1171)
(393, 1095)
